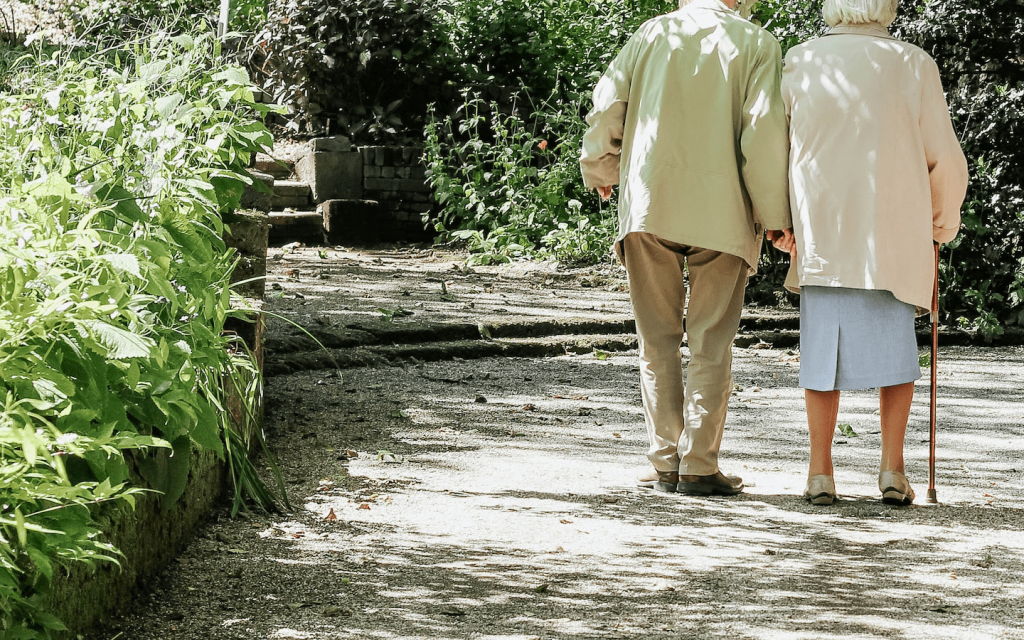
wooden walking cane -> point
(935, 353)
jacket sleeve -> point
(602, 142)
(947, 166)
(764, 140)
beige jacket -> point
(876, 171)
(689, 121)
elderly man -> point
(689, 121)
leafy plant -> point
(360, 66)
(505, 192)
(127, 19)
(115, 170)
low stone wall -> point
(149, 535)
(395, 177)
(367, 194)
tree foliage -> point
(979, 46)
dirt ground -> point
(476, 481)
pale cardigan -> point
(689, 120)
(876, 171)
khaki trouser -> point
(684, 424)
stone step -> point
(280, 169)
(289, 202)
(292, 188)
(297, 226)
(290, 194)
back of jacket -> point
(689, 121)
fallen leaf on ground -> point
(564, 521)
(364, 506)
(330, 516)
(616, 435)
(541, 588)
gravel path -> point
(491, 498)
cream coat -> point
(876, 170)
(689, 121)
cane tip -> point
(932, 498)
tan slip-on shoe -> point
(821, 489)
(651, 478)
(895, 488)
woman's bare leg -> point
(822, 409)
(894, 403)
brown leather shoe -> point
(718, 484)
(651, 478)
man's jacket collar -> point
(870, 29)
(714, 5)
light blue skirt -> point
(855, 339)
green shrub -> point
(115, 170)
(499, 192)
(978, 47)
(361, 68)
(507, 192)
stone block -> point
(289, 202)
(280, 169)
(334, 144)
(291, 188)
(371, 171)
(247, 233)
(249, 277)
(402, 172)
(387, 172)
(369, 155)
(332, 175)
(299, 226)
(350, 221)
(250, 327)
(378, 158)
(258, 194)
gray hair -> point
(837, 12)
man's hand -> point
(605, 192)
(783, 240)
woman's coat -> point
(876, 171)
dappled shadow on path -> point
(502, 508)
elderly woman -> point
(876, 176)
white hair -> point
(838, 12)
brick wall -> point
(396, 178)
